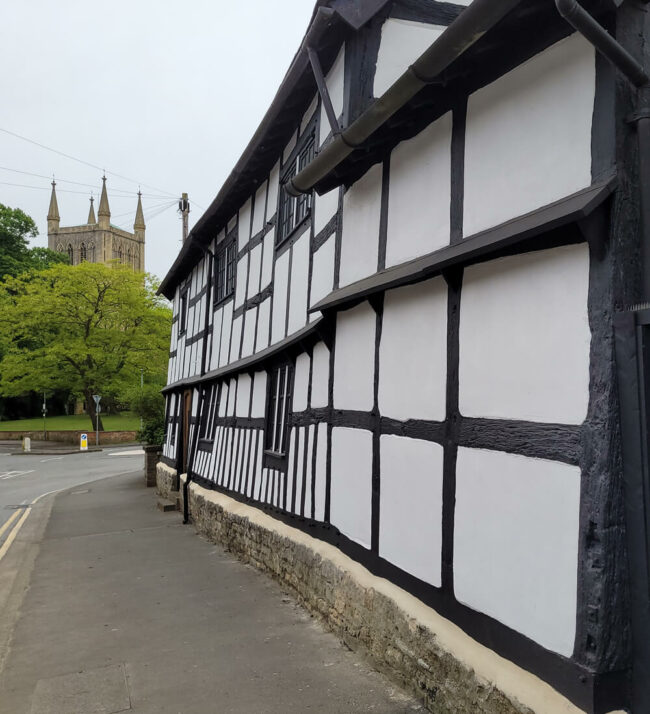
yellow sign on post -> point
(83, 446)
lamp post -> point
(141, 392)
(98, 409)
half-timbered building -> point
(402, 324)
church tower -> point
(97, 241)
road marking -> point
(132, 452)
(9, 521)
(12, 536)
(54, 458)
(13, 474)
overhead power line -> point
(81, 161)
(69, 190)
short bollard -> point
(27, 444)
(83, 443)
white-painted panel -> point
(528, 137)
(351, 483)
(240, 286)
(300, 456)
(322, 276)
(324, 208)
(354, 358)
(243, 395)
(420, 193)
(267, 259)
(254, 271)
(224, 349)
(280, 287)
(309, 113)
(361, 213)
(320, 477)
(402, 42)
(516, 537)
(232, 222)
(289, 147)
(524, 337)
(415, 321)
(224, 399)
(249, 332)
(290, 466)
(310, 430)
(232, 393)
(216, 338)
(272, 198)
(320, 375)
(410, 520)
(299, 284)
(244, 231)
(236, 339)
(263, 317)
(259, 395)
(259, 209)
(335, 85)
(301, 383)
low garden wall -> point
(71, 437)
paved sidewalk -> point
(129, 610)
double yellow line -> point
(14, 532)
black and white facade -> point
(416, 360)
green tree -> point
(90, 328)
(16, 227)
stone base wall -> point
(166, 481)
(151, 456)
(403, 638)
(72, 437)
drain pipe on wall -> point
(197, 426)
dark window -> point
(183, 312)
(294, 210)
(224, 271)
(278, 408)
(70, 254)
(82, 252)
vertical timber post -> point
(184, 208)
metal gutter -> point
(464, 31)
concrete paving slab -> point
(117, 581)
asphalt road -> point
(25, 477)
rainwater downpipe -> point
(197, 425)
(633, 71)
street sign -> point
(97, 398)
(83, 445)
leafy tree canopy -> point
(16, 227)
(90, 328)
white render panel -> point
(290, 462)
(299, 284)
(335, 84)
(354, 358)
(232, 392)
(259, 395)
(410, 520)
(309, 113)
(402, 42)
(322, 277)
(216, 338)
(516, 538)
(240, 287)
(320, 476)
(310, 431)
(280, 288)
(320, 377)
(263, 317)
(254, 271)
(236, 338)
(524, 337)
(289, 147)
(243, 395)
(420, 194)
(325, 207)
(528, 137)
(259, 209)
(360, 240)
(415, 321)
(224, 399)
(244, 230)
(224, 348)
(351, 483)
(301, 383)
(300, 456)
(249, 332)
(272, 198)
(267, 259)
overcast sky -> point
(165, 94)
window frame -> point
(293, 211)
(280, 378)
(225, 269)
